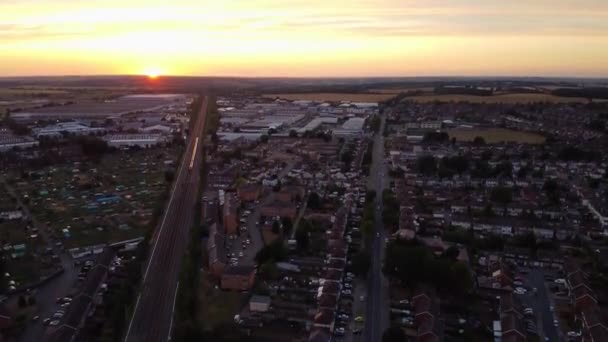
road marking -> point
(134, 311)
(193, 154)
(173, 312)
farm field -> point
(332, 97)
(496, 135)
(397, 91)
(506, 98)
(30, 91)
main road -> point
(153, 315)
(377, 288)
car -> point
(54, 323)
(241, 254)
(340, 330)
(573, 334)
(359, 319)
(362, 298)
(35, 318)
(46, 321)
(551, 308)
(555, 323)
(357, 331)
(65, 305)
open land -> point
(507, 98)
(496, 135)
(333, 97)
(109, 202)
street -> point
(376, 320)
(541, 304)
(153, 313)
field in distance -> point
(332, 97)
(505, 98)
(496, 135)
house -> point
(238, 278)
(216, 251)
(291, 193)
(279, 208)
(324, 318)
(512, 329)
(430, 330)
(594, 329)
(319, 335)
(426, 316)
(509, 305)
(259, 303)
(249, 192)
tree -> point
(169, 176)
(502, 195)
(287, 224)
(302, 237)
(427, 165)
(451, 253)
(274, 252)
(361, 263)
(436, 137)
(293, 133)
(276, 227)
(367, 228)
(461, 280)
(269, 271)
(479, 141)
(314, 201)
(394, 334)
(22, 302)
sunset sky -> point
(302, 38)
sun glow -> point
(152, 73)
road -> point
(46, 294)
(376, 320)
(153, 314)
(541, 303)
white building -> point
(70, 127)
(141, 140)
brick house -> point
(279, 208)
(249, 192)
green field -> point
(504, 98)
(496, 135)
(333, 97)
(217, 306)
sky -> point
(305, 38)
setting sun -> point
(152, 73)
